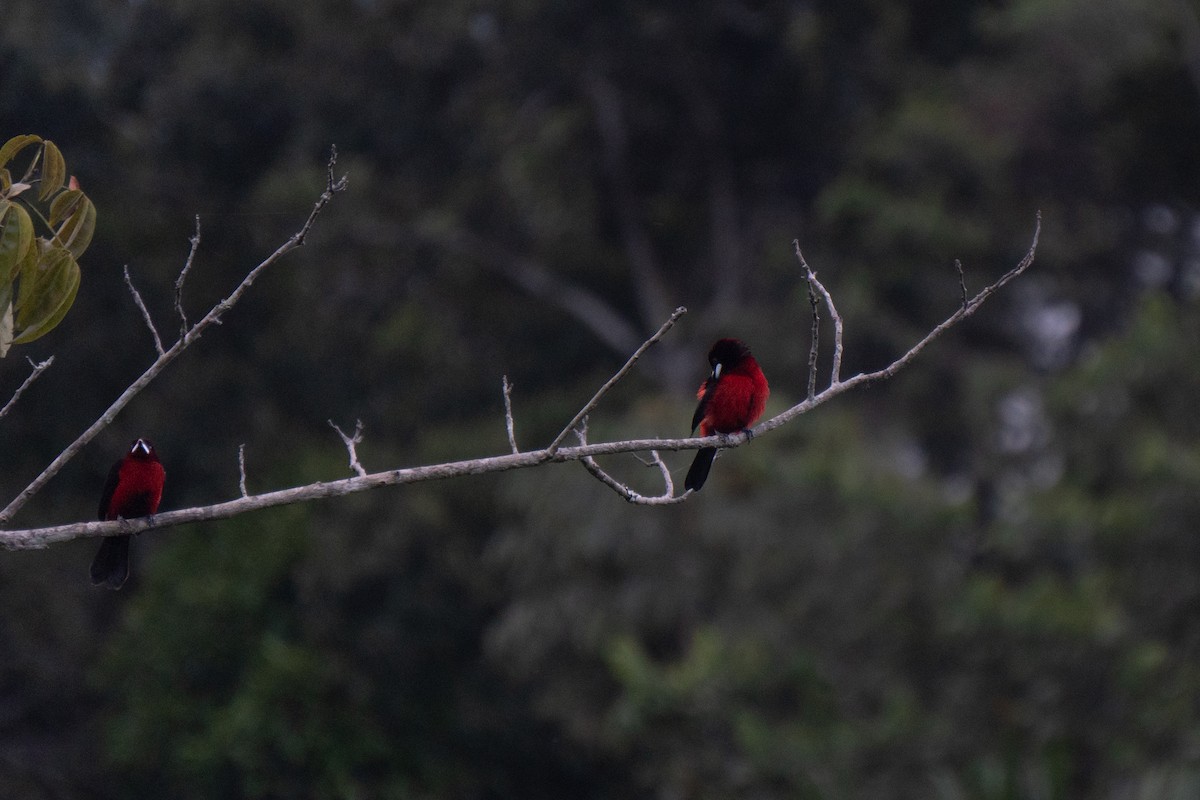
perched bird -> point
(134, 489)
(731, 400)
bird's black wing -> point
(110, 486)
(702, 406)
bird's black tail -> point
(111, 565)
(698, 473)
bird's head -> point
(727, 354)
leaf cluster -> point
(39, 274)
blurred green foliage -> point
(978, 580)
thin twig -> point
(508, 416)
(835, 371)
(352, 443)
(41, 537)
(869, 377)
(193, 333)
(665, 471)
(187, 266)
(667, 498)
(962, 281)
(816, 323)
(242, 469)
(137, 298)
(38, 369)
(583, 412)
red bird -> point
(731, 400)
(134, 489)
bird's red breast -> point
(734, 396)
(135, 484)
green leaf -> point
(65, 205)
(54, 170)
(76, 233)
(16, 236)
(42, 308)
(27, 271)
(6, 323)
(16, 145)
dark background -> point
(980, 579)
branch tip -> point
(38, 368)
(603, 390)
(352, 443)
(137, 299)
(161, 363)
(508, 416)
(194, 239)
(242, 469)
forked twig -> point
(352, 443)
(585, 453)
(165, 358)
(666, 498)
(38, 368)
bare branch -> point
(137, 298)
(161, 363)
(352, 443)
(666, 473)
(38, 369)
(838, 387)
(668, 498)
(187, 266)
(508, 416)
(835, 372)
(41, 537)
(583, 412)
(962, 281)
(814, 347)
(242, 469)
(589, 463)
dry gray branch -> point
(191, 335)
(137, 299)
(38, 368)
(835, 371)
(584, 452)
(814, 347)
(509, 425)
(183, 273)
(352, 443)
(666, 498)
(242, 469)
(633, 359)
